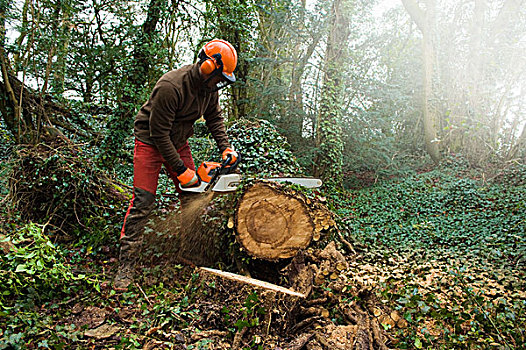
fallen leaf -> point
(102, 332)
(152, 330)
(92, 317)
(77, 309)
(395, 316)
(402, 323)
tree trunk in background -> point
(292, 120)
(328, 162)
(28, 112)
(519, 145)
(483, 80)
(284, 52)
(476, 60)
(425, 20)
(142, 60)
(509, 9)
(509, 12)
(232, 19)
(296, 119)
(268, 69)
(52, 49)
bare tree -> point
(425, 21)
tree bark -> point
(270, 222)
(328, 162)
(425, 20)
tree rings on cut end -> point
(271, 224)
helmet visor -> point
(229, 77)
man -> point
(162, 128)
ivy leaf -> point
(240, 324)
(22, 268)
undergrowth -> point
(439, 212)
(33, 272)
(448, 247)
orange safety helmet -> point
(218, 58)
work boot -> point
(129, 253)
(124, 276)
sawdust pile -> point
(196, 241)
(179, 235)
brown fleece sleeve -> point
(165, 101)
(214, 123)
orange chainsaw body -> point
(206, 170)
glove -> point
(230, 152)
(189, 178)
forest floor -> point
(434, 261)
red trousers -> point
(147, 163)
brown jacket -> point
(167, 119)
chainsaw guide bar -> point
(230, 182)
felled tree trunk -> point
(275, 223)
(271, 222)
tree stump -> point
(274, 224)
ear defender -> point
(210, 64)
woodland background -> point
(412, 112)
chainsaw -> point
(220, 177)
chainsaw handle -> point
(219, 171)
(227, 161)
(226, 167)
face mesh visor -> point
(221, 84)
(224, 82)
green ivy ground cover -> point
(439, 212)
